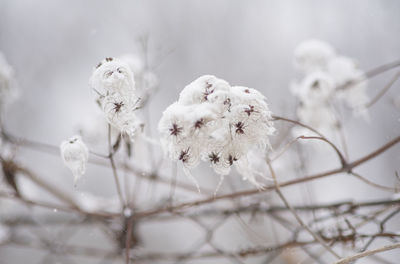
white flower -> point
(312, 55)
(75, 155)
(216, 123)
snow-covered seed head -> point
(215, 122)
(313, 55)
(205, 88)
(316, 88)
(328, 78)
(112, 75)
(119, 111)
(75, 155)
(113, 82)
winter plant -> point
(216, 123)
(224, 127)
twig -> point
(367, 253)
(51, 189)
(371, 73)
(358, 176)
(270, 188)
(54, 150)
(114, 168)
(383, 91)
(321, 137)
(299, 220)
(340, 155)
(275, 117)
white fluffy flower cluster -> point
(216, 123)
(114, 84)
(75, 155)
(325, 76)
(8, 90)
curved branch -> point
(270, 188)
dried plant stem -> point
(371, 73)
(299, 220)
(383, 91)
(114, 168)
(51, 189)
(340, 155)
(54, 150)
(346, 169)
(383, 68)
(367, 253)
(385, 188)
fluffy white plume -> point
(114, 84)
(216, 123)
(328, 78)
(75, 155)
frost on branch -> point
(218, 124)
(75, 155)
(328, 79)
(114, 84)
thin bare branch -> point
(367, 253)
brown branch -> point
(373, 184)
(371, 73)
(321, 137)
(51, 189)
(54, 150)
(383, 68)
(299, 220)
(348, 168)
(114, 168)
(275, 117)
(367, 253)
(340, 155)
(383, 91)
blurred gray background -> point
(54, 45)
